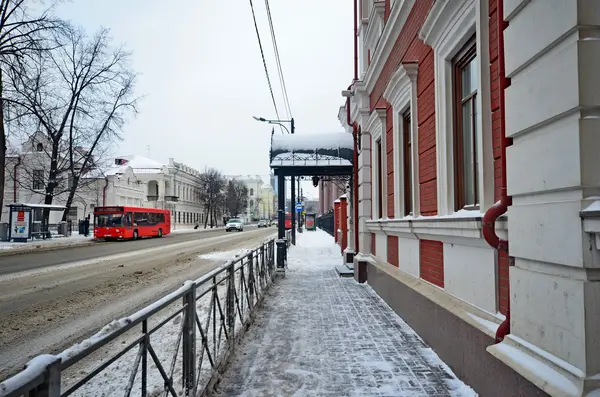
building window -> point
(251, 192)
(39, 147)
(38, 179)
(379, 180)
(465, 128)
(407, 166)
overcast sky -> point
(203, 77)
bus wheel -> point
(159, 233)
(135, 235)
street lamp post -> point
(278, 122)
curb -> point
(57, 247)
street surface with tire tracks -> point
(50, 300)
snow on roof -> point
(300, 142)
(45, 206)
(139, 162)
(312, 150)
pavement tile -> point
(322, 335)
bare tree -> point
(212, 189)
(21, 35)
(76, 97)
(236, 197)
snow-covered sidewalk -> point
(322, 335)
(54, 242)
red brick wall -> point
(495, 94)
(392, 250)
(409, 48)
(426, 123)
(503, 285)
(389, 141)
(431, 255)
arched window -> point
(251, 204)
(251, 193)
(40, 147)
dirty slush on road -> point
(48, 312)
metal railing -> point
(326, 222)
(201, 321)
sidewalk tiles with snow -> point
(322, 335)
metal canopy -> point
(312, 152)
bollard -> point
(281, 253)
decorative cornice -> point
(398, 16)
(398, 89)
(443, 19)
(376, 123)
(375, 25)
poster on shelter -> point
(20, 224)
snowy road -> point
(48, 303)
(36, 260)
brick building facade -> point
(456, 105)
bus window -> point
(108, 220)
(127, 221)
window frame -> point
(465, 55)
(407, 169)
(37, 183)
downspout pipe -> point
(15, 179)
(500, 207)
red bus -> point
(288, 220)
(112, 223)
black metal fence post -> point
(51, 385)
(189, 340)
(230, 311)
(251, 280)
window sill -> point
(462, 227)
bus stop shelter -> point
(23, 217)
(321, 157)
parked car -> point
(234, 224)
(262, 223)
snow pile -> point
(301, 142)
(108, 329)
(33, 369)
(224, 255)
(74, 239)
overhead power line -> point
(262, 53)
(278, 61)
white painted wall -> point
(381, 246)
(408, 252)
(553, 52)
(470, 274)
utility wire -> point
(265, 63)
(288, 109)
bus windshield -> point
(109, 220)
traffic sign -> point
(299, 207)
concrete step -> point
(344, 271)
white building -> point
(129, 181)
(260, 195)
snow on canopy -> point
(289, 150)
